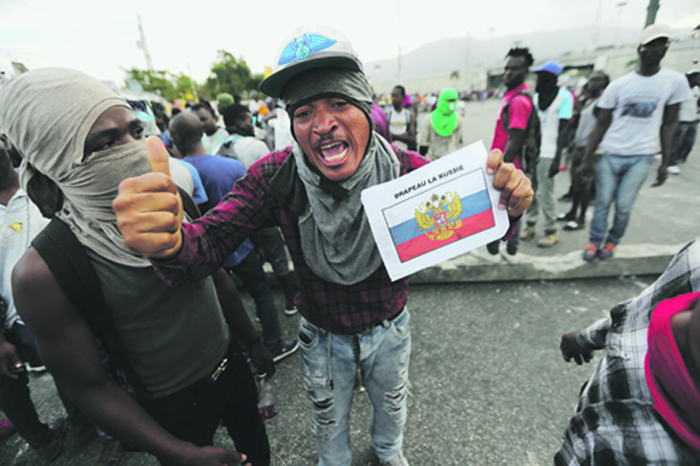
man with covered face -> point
(353, 315)
(79, 140)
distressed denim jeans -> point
(617, 179)
(329, 364)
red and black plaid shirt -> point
(339, 309)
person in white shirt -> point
(402, 125)
(687, 131)
(634, 111)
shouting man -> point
(353, 315)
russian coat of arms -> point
(439, 217)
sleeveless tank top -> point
(173, 337)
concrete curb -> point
(637, 259)
(640, 259)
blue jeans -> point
(329, 364)
(251, 273)
(15, 399)
(683, 141)
(617, 179)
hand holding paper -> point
(445, 209)
(515, 187)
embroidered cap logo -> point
(301, 48)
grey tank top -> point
(173, 337)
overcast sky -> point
(100, 37)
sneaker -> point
(291, 310)
(528, 232)
(607, 251)
(484, 254)
(574, 225)
(549, 240)
(289, 347)
(565, 217)
(31, 368)
(510, 258)
(53, 448)
(398, 460)
(674, 170)
(590, 252)
(6, 429)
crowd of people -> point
(142, 327)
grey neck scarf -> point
(47, 114)
(335, 234)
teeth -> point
(333, 158)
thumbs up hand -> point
(149, 208)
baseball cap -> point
(553, 67)
(653, 32)
(306, 48)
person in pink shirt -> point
(517, 104)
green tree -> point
(157, 82)
(255, 80)
(228, 74)
(164, 83)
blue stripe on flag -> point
(471, 205)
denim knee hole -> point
(396, 399)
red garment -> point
(674, 393)
(519, 114)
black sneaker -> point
(289, 347)
(52, 449)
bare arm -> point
(669, 125)
(67, 348)
(516, 139)
(561, 139)
(240, 323)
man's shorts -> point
(577, 185)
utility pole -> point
(651, 12)
(143, 46)
(400, 80)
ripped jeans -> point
(329, 364)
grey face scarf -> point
(336, 238)
(47, 114)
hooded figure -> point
(79, 141)
(444, 133)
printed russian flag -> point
(443, 215)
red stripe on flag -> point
(422, 244)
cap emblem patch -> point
(301, 48)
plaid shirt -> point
(614, 421)
(339, 309)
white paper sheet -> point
(435, 213)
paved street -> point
(488, 384)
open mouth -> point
(334, 153)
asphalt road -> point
(488, 385)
